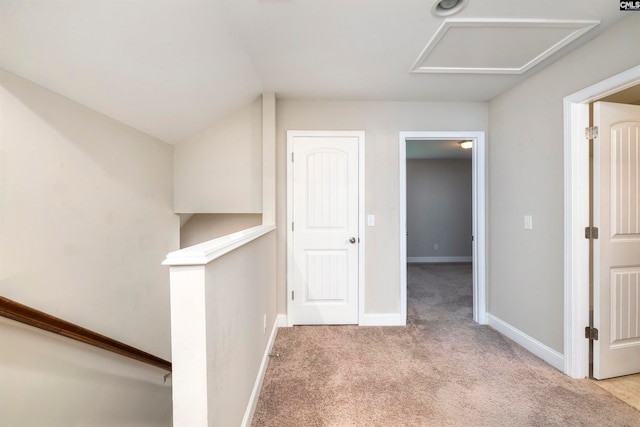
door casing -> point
(479, 215)
(576, 217)
(291, 135)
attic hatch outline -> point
(573, 29)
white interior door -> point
(617, 250)
(324, 229)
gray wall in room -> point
(439, 208)
(526, 175)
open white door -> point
(616, 352)
(324, 233)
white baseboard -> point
(544, 352)
(383, 319)
(282, 321)
(435, 259)
(257, 386)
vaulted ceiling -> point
(172, 68)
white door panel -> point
(325, 228)
(617, 251)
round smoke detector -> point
(448, 7)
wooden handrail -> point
(30, 316)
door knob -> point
(352, 240)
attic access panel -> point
(496, 46)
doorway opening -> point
(478, 214)
(577, 191)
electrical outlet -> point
(528, 222)
(264, 323)
(435, 247)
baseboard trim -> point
(257, 386)
(378, 319)
(282, 321)
(437, 259)
(382, 319)
(544, 352)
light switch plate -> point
(528, 222)
(371, 220)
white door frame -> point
(479, 216)
(291, 134)
(576, 217)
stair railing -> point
(30, 316)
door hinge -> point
(293, 295)
(591, 233)
(292, 156)
(293, 228)
(591, 132)
(591, 333)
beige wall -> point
(236, 334)
(439, 208)
(382, 122)
(525, 153)
(86, 220)
(47, 380)
(219, 170)
(202, 227)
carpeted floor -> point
(440, 370)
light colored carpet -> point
(440, 370)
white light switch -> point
(528, 222)
(371, 220)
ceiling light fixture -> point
(448, 7)
(466, 144)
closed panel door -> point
(324, 230)
(617, 250)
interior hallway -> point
(440, 370)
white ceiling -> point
(172, 68)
